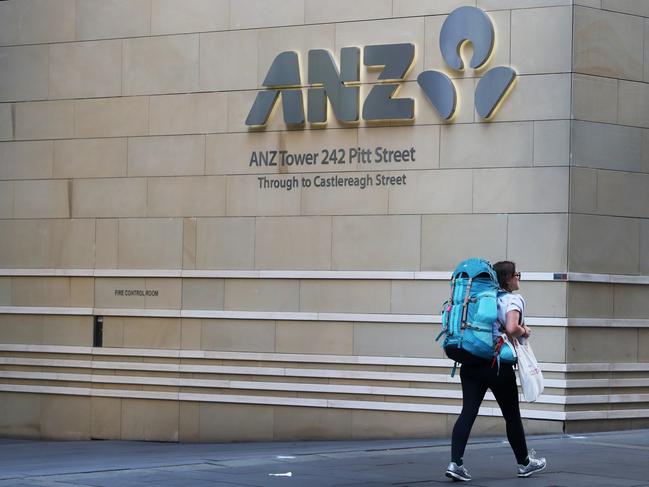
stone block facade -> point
(162, 279)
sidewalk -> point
(590, 460)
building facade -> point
(236, 219)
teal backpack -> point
(469, 314)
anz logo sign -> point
(339, 85)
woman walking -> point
(476, 379)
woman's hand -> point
(526, 331)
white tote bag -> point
(529, 372)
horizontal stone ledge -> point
(322, 403)
(261, 386)
(263, 274)
(610, 414)
(608, 278)
(607, 367)
(47, 272)
(426, 376)
(301, 357)
(254, 315)
(45, 310)
(310, 387)
(255, 356)
(274, 401)
(308, 316)
(237, 370)
(325, 275)
(608, 322)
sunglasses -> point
(517, 274)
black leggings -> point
(475, 381)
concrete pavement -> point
(588, 460)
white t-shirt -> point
(508, 302)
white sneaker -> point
(535, 465)
(457, 472)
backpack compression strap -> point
(448, 309)
(465, 305)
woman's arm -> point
(512, 326)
